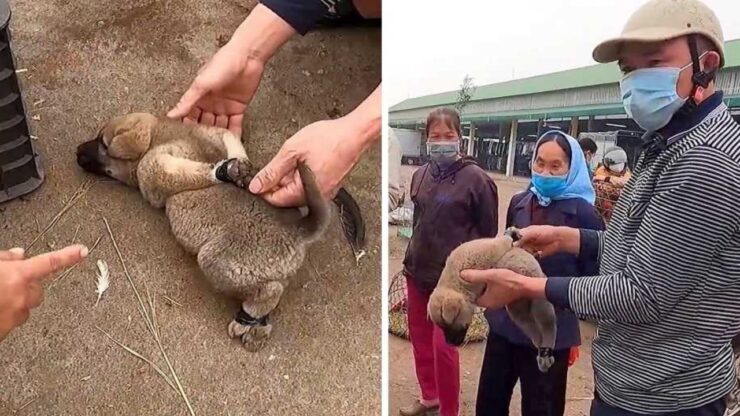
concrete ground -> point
(403, 387)
(89, 60)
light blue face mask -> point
(549, 186)
(649, 96)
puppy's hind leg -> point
(250, 323)
(544, 317)
(520, 313)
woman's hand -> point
(331, 148)
(504, 286)
(547, 240)
(20, 281)
(225, 85)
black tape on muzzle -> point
(87, 157)
(455, 337)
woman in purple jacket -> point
(454, 201)
(561, 194)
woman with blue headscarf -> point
(561, 194)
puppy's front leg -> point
(236, 167)
(163, 175)
(231, 143)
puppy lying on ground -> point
(245, 247)
(452, 303)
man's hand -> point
(547, 240)
(224, 87)
(331, 148)
(325, 146)
(221, 92)
(504, 286)
(20, 281)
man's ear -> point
(711, 61)
(130, 142)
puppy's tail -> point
(353, 224)
(319, 212)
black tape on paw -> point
(544, 352)
(513, 233)
(222, 171)
(246, 319)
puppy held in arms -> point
(452, 303)
(246, 248)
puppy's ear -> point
(130, 142)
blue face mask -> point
(649, 96)
(549, 186)
(444, 154)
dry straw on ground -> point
(79, 193)
(148, 313)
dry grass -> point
(149, 317)
(79, 193)
(141, 357)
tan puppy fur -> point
(245, 247)
(452, 303)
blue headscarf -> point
(578, 178)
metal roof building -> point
(513, 113)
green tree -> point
(466, 92)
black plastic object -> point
(20, 168)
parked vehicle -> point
(413, 146)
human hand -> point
(546, 240)
(225, 85)
(331, 148)
(221, 92)
(20, 281)
(325, 146)
(503, 286)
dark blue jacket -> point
(576, 213)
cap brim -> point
(608, 51)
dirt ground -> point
(403, 388)
(89, 60)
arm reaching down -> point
(224, 86)
(674, 249)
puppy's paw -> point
(253, 333)
(256, 337)
(236, 330)
(238, 171)
(513, 233)
(545, 359)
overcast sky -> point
(429, 45)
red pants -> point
(437, 364)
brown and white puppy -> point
(245, 247)
(452, 303)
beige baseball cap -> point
(659, 20)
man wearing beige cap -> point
(667, 300)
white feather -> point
(103, 279)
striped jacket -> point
(667, 300)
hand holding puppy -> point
(331, 148)
(546, 240)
